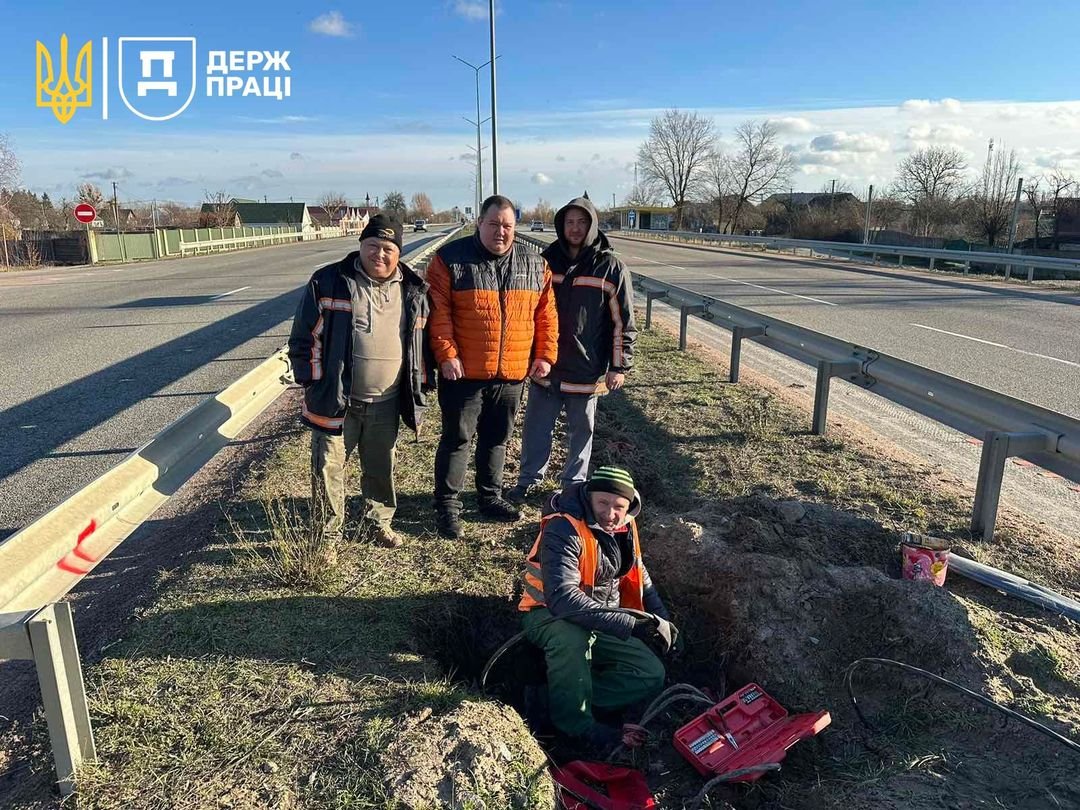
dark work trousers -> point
(486, 409)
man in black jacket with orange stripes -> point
(595, 300)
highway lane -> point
(98, 360)
(1022, 342)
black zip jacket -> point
(320, 346)
(595, 299)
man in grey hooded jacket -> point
(595, 300)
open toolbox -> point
(745, 729)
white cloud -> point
(1067, 159)
(1064, 115)
(296, 156)
(844, 142)
(791, 124)
(471, 9)
(116, 173)
(332, 24)
(542, 179)
(953, 136)
(924, 105)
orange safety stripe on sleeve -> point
(592, 281)
(616, 333)
(316, 349)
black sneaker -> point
(448, 525)
(499, 509)
(520, 493)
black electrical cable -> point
(637, 614)
(1049, 732)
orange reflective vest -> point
(631, 584)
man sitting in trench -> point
(588, 556)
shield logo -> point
(156, 75)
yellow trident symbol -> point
(59, 93)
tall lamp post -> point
(479, 164)
(494, 113)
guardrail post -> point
(685, 311)
(826, 370)
(737, 335)
(649, 296)
(900, 260)
(63, 693)
(1031, 272)
(932, 260)
(998, 447)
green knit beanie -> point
(614, 480)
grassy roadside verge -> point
(232, 691)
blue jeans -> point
(540, 417)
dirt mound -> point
(480, 755)
(793, 623)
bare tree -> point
(886, 211)
(89, 193)
(930, 180)
(1034, 196)
(674, 155)
(720, 183)
(421, 206)
(759, 167)
(332, 201)
(642, 196)
(1059, 184)
(219, 210)
(9, 183)
(992, 199)
(394, 203)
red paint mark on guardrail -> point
(71, 565)
(1021, 462)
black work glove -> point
(659, 634)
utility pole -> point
(116, 222)
(866, 223)
(153, 212)
(832, 196)
(494, 112)
(1012, 225)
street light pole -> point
(494, 112)
(479, 164)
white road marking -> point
(997, 345)
(27, 427)
(230, 292)
(737, 281)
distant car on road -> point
(419, 225)
(537, 225)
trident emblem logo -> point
(58, 91)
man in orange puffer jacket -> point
(493, 322)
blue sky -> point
(377, 99)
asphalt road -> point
(1022, 342)
(99, 360)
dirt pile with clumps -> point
(480, 755)
(764, 587)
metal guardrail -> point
(852, 251)
(45, 560)
(1007, 426)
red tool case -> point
(746, 728)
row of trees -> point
(683, 162)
